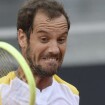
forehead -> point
(42, 21)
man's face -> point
(47, 44)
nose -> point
(54, 48)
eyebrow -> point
(65, 33)
(42, 31)
(45, 32)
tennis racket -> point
(10, 58)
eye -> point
(44, 39)
(62, 40)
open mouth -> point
(50, 59)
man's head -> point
(42, 34)
(29, 10)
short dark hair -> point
(28, 11)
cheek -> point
(37, 52)
(63, 49)
(30, 52)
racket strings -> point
(16, 91)
(7, 63)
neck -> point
(41, 82)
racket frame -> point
(26, 69)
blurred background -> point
(84, 63)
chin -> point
(45, 71)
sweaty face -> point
(47, 44)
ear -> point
(22, 39)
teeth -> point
(51, 59)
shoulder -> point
(72, 88)
(6, 79)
